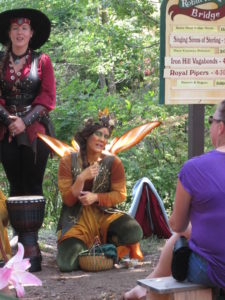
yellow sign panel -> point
(193, 54)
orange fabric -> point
(93, 221)
(122, 251)
(118, 184)
(3, 223)
(65, 180)
(135, 252)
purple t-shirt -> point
(203, 177)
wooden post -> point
(196, 130)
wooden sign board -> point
(192, 52)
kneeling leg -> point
(124, 231)
(67, 256)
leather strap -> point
(34, 114)
(14, 109)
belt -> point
(18, 110)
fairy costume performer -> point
(27, 94)
(92, 183)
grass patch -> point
(152, 244)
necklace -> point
(16, 58)
(15, 75)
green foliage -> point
(160, 155)
(51, 192)
(106, 53)
(4, 183)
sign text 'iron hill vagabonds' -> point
(192, 45)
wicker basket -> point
(94, 262)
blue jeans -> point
(197, 270)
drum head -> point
(35, 198)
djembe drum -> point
(26, 214)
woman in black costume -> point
(27, 94)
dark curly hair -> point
(89, 128)
(4, 58)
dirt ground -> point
(80, 285)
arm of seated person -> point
(179, 219)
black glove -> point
(4, 116)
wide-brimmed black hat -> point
(40, 23)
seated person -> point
(92, 183)
(199, 200)
(3, 230)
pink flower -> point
(15, 273)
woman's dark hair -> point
(4, 59)
(89, 128)
(5, 56)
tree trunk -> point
(111, 82)
(102, 80)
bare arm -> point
(179, 219)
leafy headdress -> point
(105, 119)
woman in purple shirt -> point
(199, 201)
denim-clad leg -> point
(197, 270)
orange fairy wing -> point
(57, 146)
(76, 147)
(132, 137)
(109, 146)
